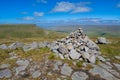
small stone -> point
(74, 55)
(79, 76)
(19, 69)
(4, 66)
(3, 46)
(66, 70)
(117, 57)
(22, 63)
(5, 73)
(36, 74)
(57, 64)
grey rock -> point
(4, 66)
(5, 73)
(31, 46)
(19, 69)
(15, 45)
(66, 70)
(102, 40)
(117, 65)
(22, 62)
(102, 72)
(92, 58)
(85, 55)
(74, 54)
(57, 64)
(62, 50)
(36, 74)
(3, 46)
(79, 76)
(101, 58)
(117, 57)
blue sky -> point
(60, 12)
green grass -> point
(27, 33)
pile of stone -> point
(102, 40)
(77, 46)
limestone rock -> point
(3, 46)
(79, 76)
(66, 70)
(74, 55)
(36, 74)
(5, 73)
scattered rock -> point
(117, 57)
(79, 76)
(3, 46)
(19, 69)
(15, 45)
(57, 64)
(4, 66)
(5, 73)
(102, 72)
(66, 70)
(74, 55)
(117, 65)
(36, 74)
(22, 62)
(31, 46)
(102, 40)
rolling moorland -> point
(31, 33)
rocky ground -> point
(75, 58)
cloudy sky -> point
(60, 12)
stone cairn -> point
(77, 46)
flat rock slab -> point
(3, 66)
(79, 76)
(36, 74)
(66, 70)
(97, 70)
(5, 73)
(22, 62)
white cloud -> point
(28, 18)
(63, 7)
(71, 7)
(38, 13)
(81, 9)
(41, 1)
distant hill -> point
(92, 30)
(27, 31)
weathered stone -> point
(102, 72)
(79, 76)
(117, 57)
(62, 50)
(5, 73)
(19, 69)
(92, 59)
(101, 58)
(15, 45)
(74, 54)
(57, 64)
(31, 46)
(102, 40)
(36, 74)
(3, 46)
(22, 62)
(66, 70)
(4, 66)
(117, 65)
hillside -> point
(27, 32)
(92, 30)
